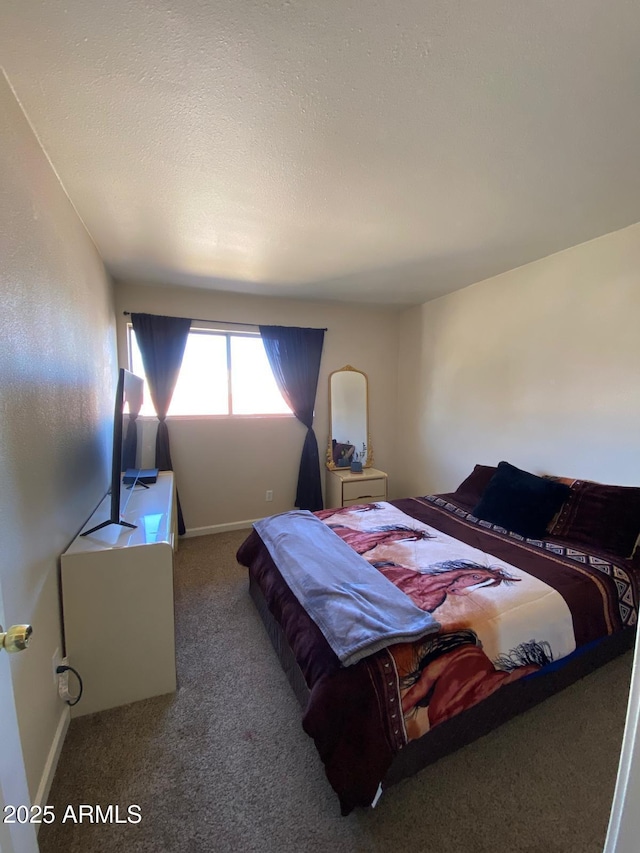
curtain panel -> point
(162, 341)
(294, 355)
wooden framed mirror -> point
(349, 418)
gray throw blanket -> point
(357, 609)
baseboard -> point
(219, 528)
(42, 794)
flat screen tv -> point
(129, 396)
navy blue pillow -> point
(520, 501)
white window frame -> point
(201, 328)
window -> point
(222, 373)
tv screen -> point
(129, 397)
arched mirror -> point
(349, 438)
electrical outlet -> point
(56, 661)
(269, 495)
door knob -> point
(16, 638)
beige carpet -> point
(223, 765)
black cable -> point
(59, 671)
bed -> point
(484, 621)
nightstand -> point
(345, 488)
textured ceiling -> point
(343, 149)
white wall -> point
(539, 366)
(57, 363)
(224, 465)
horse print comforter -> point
(507, 608)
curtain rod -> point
(222, 322)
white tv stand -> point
(117, 599)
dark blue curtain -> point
(162, 341)
(294, 355)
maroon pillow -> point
(601, 516)
(470, 490)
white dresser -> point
(117, 598)
(345, 488)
